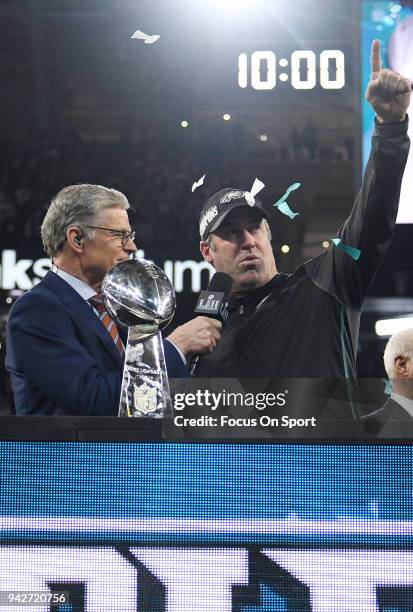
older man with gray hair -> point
(395, 417)
(398, 362)
(63, 352)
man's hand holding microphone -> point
(200, 335)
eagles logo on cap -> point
(218, 206)
(231, 195)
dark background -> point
(83, 102)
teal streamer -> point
(291, 188)
(283, 206)
(352, 251)
(286, 210)
(387, 386)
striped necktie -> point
(98, 303)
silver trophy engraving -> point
(140, 296)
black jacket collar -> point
(254, 297)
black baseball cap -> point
(218, 206)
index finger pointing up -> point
(375, 58)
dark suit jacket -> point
(389, 421)
(60, 357)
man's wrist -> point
(179, 341)
(178, 350)
(394, 121)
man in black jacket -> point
(305, 325)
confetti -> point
(283, 205)
(198, 183)
(147, 39)
(352, 251)
(387, 386)
(256, 188)
(286, 210)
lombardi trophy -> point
(140, 296)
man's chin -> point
(248, 282)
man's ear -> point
(400, 364)
(206, 252)
(74, 237)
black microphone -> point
(214, 303)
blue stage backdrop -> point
(201, 527)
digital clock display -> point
(305, 69)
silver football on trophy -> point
(138, 293)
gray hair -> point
(210, 236)
(399, 345)
(78, 205)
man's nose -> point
(130, 246)
(247, 239)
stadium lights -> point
(226, 117)
(285, 248)
(263, 137)
(388, 327)
(184, 124)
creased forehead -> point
(114, 215)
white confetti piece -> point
(198, 183)
(256, 188)
(147, 39)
